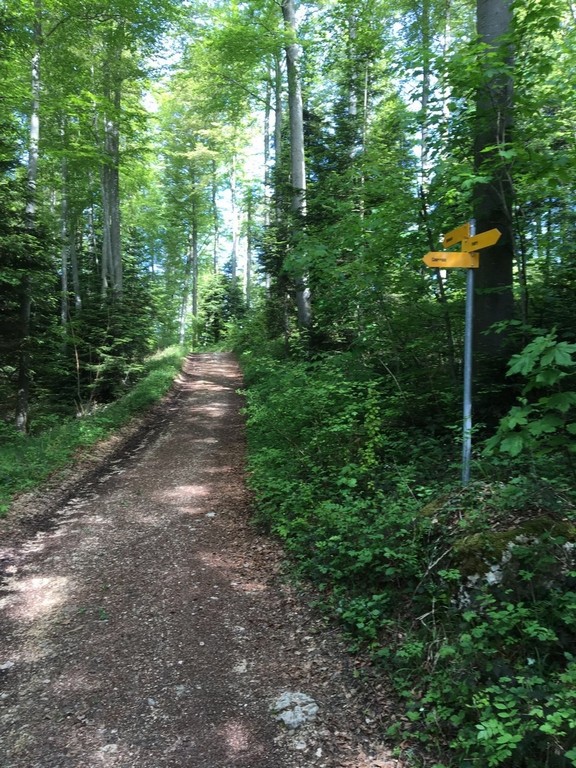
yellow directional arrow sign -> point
(451, 259)
(481, 240)
(456, 235)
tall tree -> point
(297, 153)
(24, 365)
(493, 193)
(112, 78)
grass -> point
(27, 461)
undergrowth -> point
(27, 460)
(465, 597)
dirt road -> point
(148, 625)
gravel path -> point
(147, 624)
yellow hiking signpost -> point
(468, 259)
(483, 240)
(451, 259)
(456, 235)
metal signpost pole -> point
(467, 400)
(469, 259)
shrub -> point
(466, 597)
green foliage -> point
(223, 306)
(328, 480)
(26, 461)
(487, 676)
(466, 598)
(544, 422)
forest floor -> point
(146, 623)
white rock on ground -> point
(295, 709)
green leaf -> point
(561, 401)
(563, 354)
(546, 425)
(517, 417)
(513, 444)
(548, 377)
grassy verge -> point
(26, 461)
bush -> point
(466, 597)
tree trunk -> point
(24, 362)
(111, 248)
(424, 23)
(278, 115)
(215, 218)
(195, 265)
(110, 174)
(74, 265)
(493, 199)
(353, 77)
(426, 33)
(69, 255)
(266, 138)
(234, 217)
(191, 273)
(249, 246)
(23, 385)
(64, 246)
(186, 293)
(268, 193)
(34, 140)
(297, 159)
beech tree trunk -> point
(215, 217)
(249, 246)
(70, 278)
(25, 288)
(267, 147)
(64, 248)
(195, 265)
(297, 158)
(74, 267)
(64, 251)
(234, 216)
(110, 174)
(191, 273)
(278, 118)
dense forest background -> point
(269, 176)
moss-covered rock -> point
(476, 553)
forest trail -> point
(148, 624)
